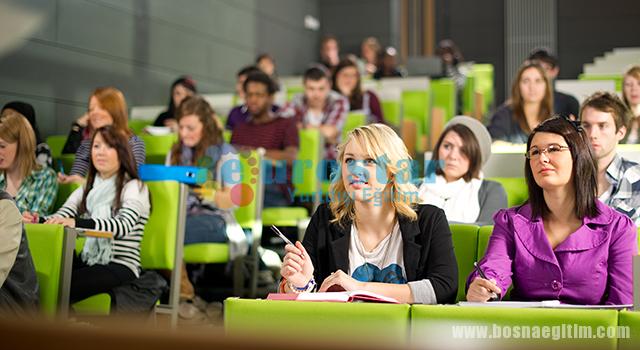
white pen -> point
(281, 235)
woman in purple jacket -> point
(563, 244)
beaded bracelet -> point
(310, 287)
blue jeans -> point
(205, 228)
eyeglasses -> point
(550, 150)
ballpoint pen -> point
(494, 296)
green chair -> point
(465, 245)
(483, 240)
(160, 249)
(56, 144)
(226, 135)
(516, 189)
(484, 78)
(47, 246)
(628, 320)
(468, 95)
(65, 161)
(248, 215)
(64, 191)
(498, 327)
(444, 96)
(416, 106)
(305, 180)
(311, 321)
(138, 125)
(353, 120)
(294, 90)
(616, 78)
(157, 147)
(392, 111)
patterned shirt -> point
(335, 113)
(37, 191)
(624, 193)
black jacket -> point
(426, 242)
(19, 292)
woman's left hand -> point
(69, 222)
(341, 279)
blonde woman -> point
(373, 235)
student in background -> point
(33, 186)
(319, 107)
(388, 65)
(631, 97)
(373, 235)
(209, 218)
(369, 55)
(531, 103)
(458, 188)
(451, 57)
(113, 199)
(563, 104)
(266, 129)
(563, 244)
(604, 117)
(241, 76)
(182, 88)
(43, 152)
(107, 106)
(346, 81)
(240, 114)
(330, 52)
(18, 280)
(267, 64)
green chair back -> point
(468, 94)
(294, 90)
(616, 78)
(484, 78)
(56, 144)
(64, 191)
(157, 249)
(483, 240)
(444, 96)
(305, 170)
(46, 245)
(392, 111)
(157, 147)
(226, 135)
(249, 214)
(465, 245)
(307, 321)
(451, 324)
(137, 125)
(353, 120)
(629, 320)
(516, 189)
(416, 106)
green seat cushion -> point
(206, 253)
(99, 304)
(283, 216)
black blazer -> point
(427, 248)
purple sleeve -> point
(496, 262)
(374, 107)
(622, 249)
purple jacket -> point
(592, 266)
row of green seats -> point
(426, 326)
(617, 78)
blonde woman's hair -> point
(381, 143)
(14, 127)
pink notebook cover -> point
(341, 297)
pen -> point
(61, 166)
(280, 234)
(494, 296)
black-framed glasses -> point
(550, 150)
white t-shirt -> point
(384, 264)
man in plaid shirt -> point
(319, 107)
(604, 117)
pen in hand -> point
(281, 235)
(494, 296)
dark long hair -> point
(470, 149)
(211, 127)
(188, 83)
(584, 171)
(118, 140)
(355, 99)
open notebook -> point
(342, 297)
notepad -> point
(550, 304)
(341, 297)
